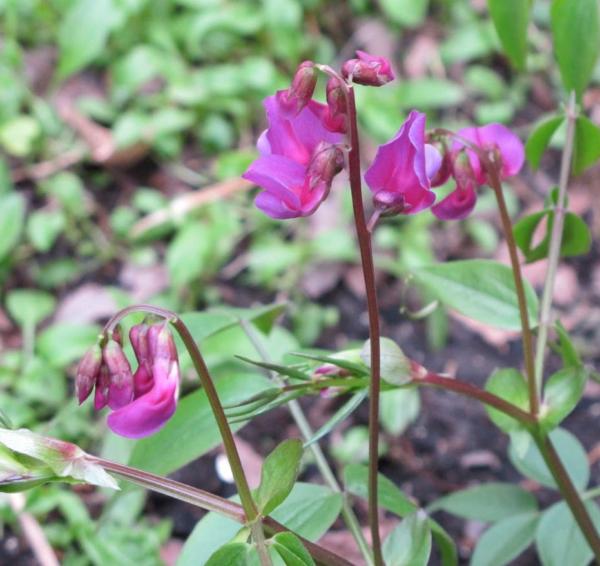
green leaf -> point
(511, 18)
(505, 540)
(83, 33)
(399, 408)
(569, 354)
(43, 228)
(409, 13)
(559, 540)
(178, 442)
(409, 544)
(19, 135)
(390, 497)
(394, 365)
(576, 38)
(308, 511)
(340, 415)
(483, 290)
(291, 549)
(29, 307)
(531, 464)
(278, 475)
(561, 395)
(489, 502)
(576, 239)
(587, 145)
(540, 138)
(510, 385)
(188, 253)
(232, 554)
(12, 215)
(64, 343)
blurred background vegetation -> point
(124, 127)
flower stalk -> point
(366, 256)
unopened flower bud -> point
(330, 370)
(120, 390)
(295, 98)
(336, 97)
(102, 385)
(88, 372)
(368, 70)
(327, 161)
(117, 335)
(142, 378)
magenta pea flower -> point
(495, 138)
(285, 170)
(468, 171)
(142, 402)
(400, 175)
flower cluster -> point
(143, 401)
(301, 151)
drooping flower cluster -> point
(143, 401)
(301, 151)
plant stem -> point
(492, 167)
(233, 456)
(570, 494)
(209, 502)
(366, 256)
(468, 390)
(307, 433)
(555, 243)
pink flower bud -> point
(295, 98)
(461, 201)
(336, 97)
(102, 385)
(88, 372)
(326, 163)
(368, 70)
(142, 378)
(120, 389)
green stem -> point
(366, 256)
(492, 167)
(233, 456)
(307, 433)
(569, 492)
(555, 244)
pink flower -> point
(287, 150)
(143, 402)
(400, 175)
(156, 397)
(496, 138)
(368, 70)
(295, 98)
(469, 172)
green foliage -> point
(531, 463)
(278, 475)
(558, 538)
(540, 137)
(409, 544)
(587, 144)
(394, 365)
(511, 19)
(576, 38)
(488, 502)
(12, 215)
(505, 540)
(562, 392)
(480, 289)
(576, 238)
(291, 550)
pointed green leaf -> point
(489, 502)
(409, 544)
(291, 549)
(540, 138)
(232, 554)
(279, 472)
(394, 365)
(12, 216)
(510, 385)
(483, 290)
(587, 145)
(576, 38)
(511, 18)
(505, 540)
(561, 395)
